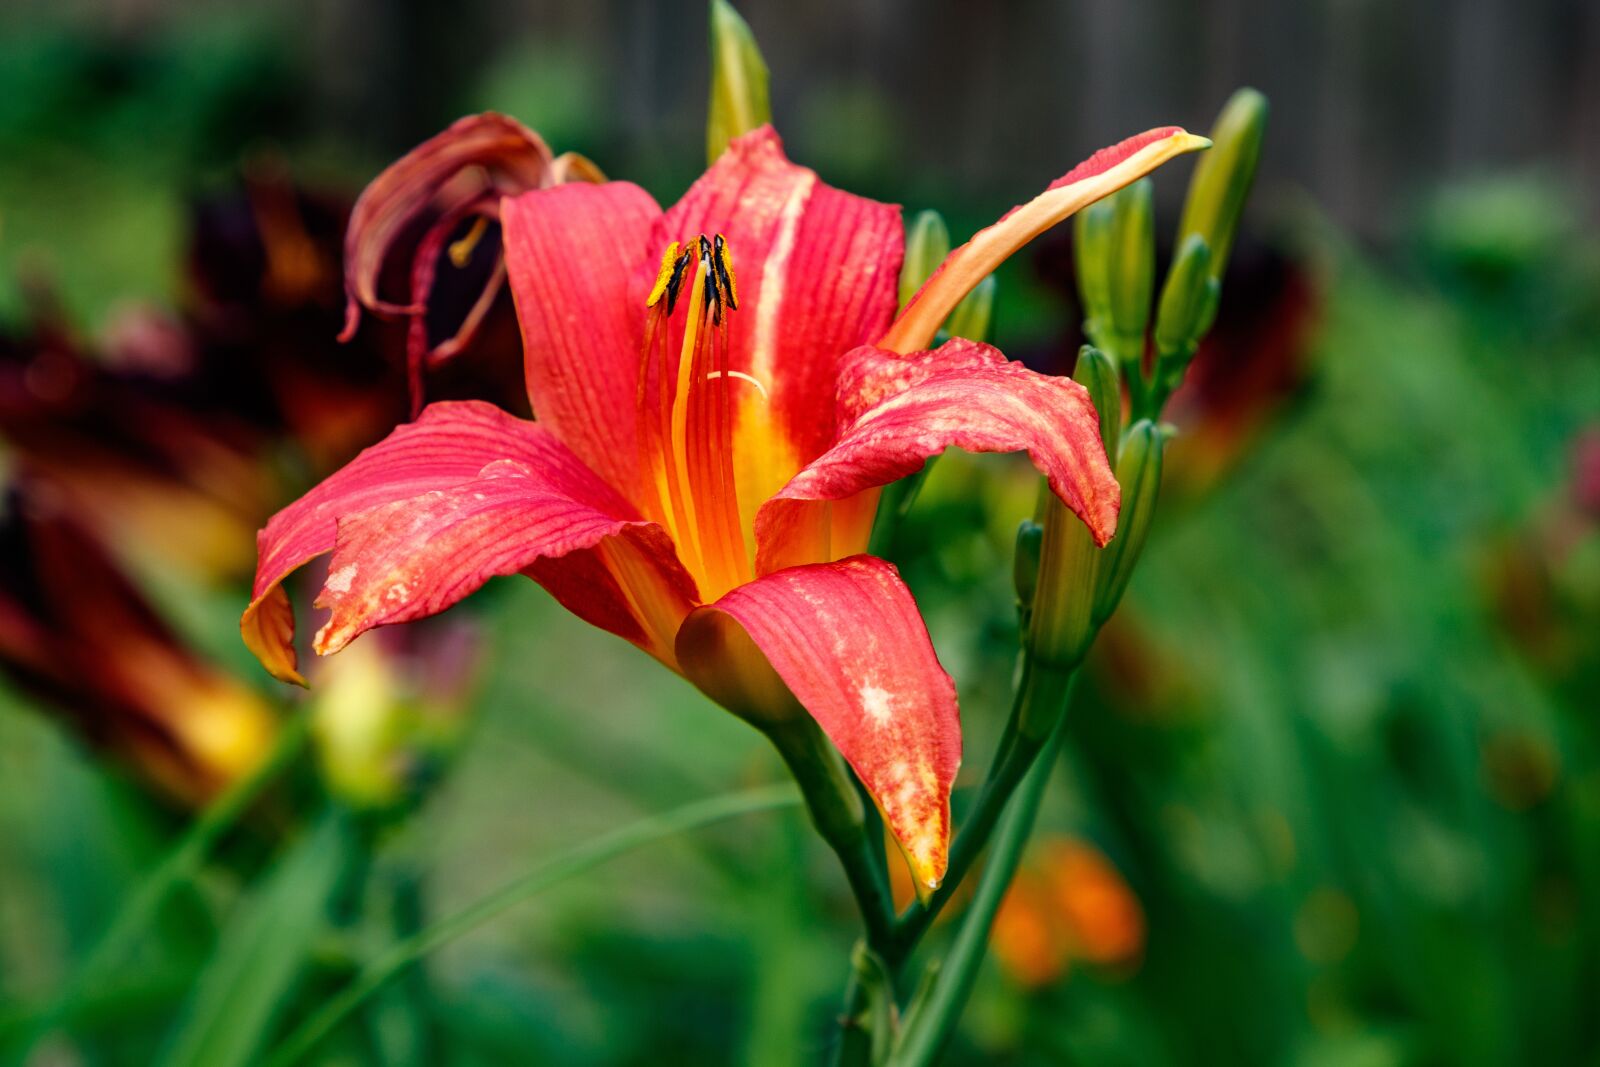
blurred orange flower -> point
(1068, 903)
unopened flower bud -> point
(1025, 564)
(1096, 373)
(1133, 265)
(1223, 176)
(927, 245)
(971, 317)
(738, 80)
(1139, 474)
(1092, 255)
(1061, 627)
(1183, 298)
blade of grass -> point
(548, 872)
(176, 869)
(263, 950)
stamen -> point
(664, 275)
(461, 251)
(686, 441)
(725, 273)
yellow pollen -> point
(664, 275)
(725, 274)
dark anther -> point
(680, 266)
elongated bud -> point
(1139, 473)
(1096, 373)
(738, 81)
(1092, 255)
(1183, 297)
(927, 244)
(1063, 604)
(1223, 176)
(1025, 564)
(1133, 264)
(972, 316)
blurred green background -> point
(1336, 764)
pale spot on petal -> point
(339, 581)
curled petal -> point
(421, 355)
(408, 559)
(475, 155)
(447, 446)
(903, 409)
(573, 167)
(571, 251)
(846, 640)
(1100, 175)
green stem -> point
(176, 868)
(840, 816)
(927, 1034)
(1036, 710)
(575, 861)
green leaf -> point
(578, 859)
(177, 868)
(262, 952)
(738, 81)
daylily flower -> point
(721, 389)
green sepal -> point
(1223, 176)
(1139, 474)
(739, 101)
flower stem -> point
(929, 1030)
(1038, 708)
(840, 817)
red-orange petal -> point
(1100, 175)
(411, 558)
(817, 273)
(571, 251)
(847, 641)
(903, 409)
(447, 446)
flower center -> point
(686, 414)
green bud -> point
(1062, 625)
(1183, 297)
(1139, 474)
(1222, 177)
(1096, 373)
(738, 80)
(1092, 252)
(1132, 263)
(1025, 563)
(927, 245)
(971, 317)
